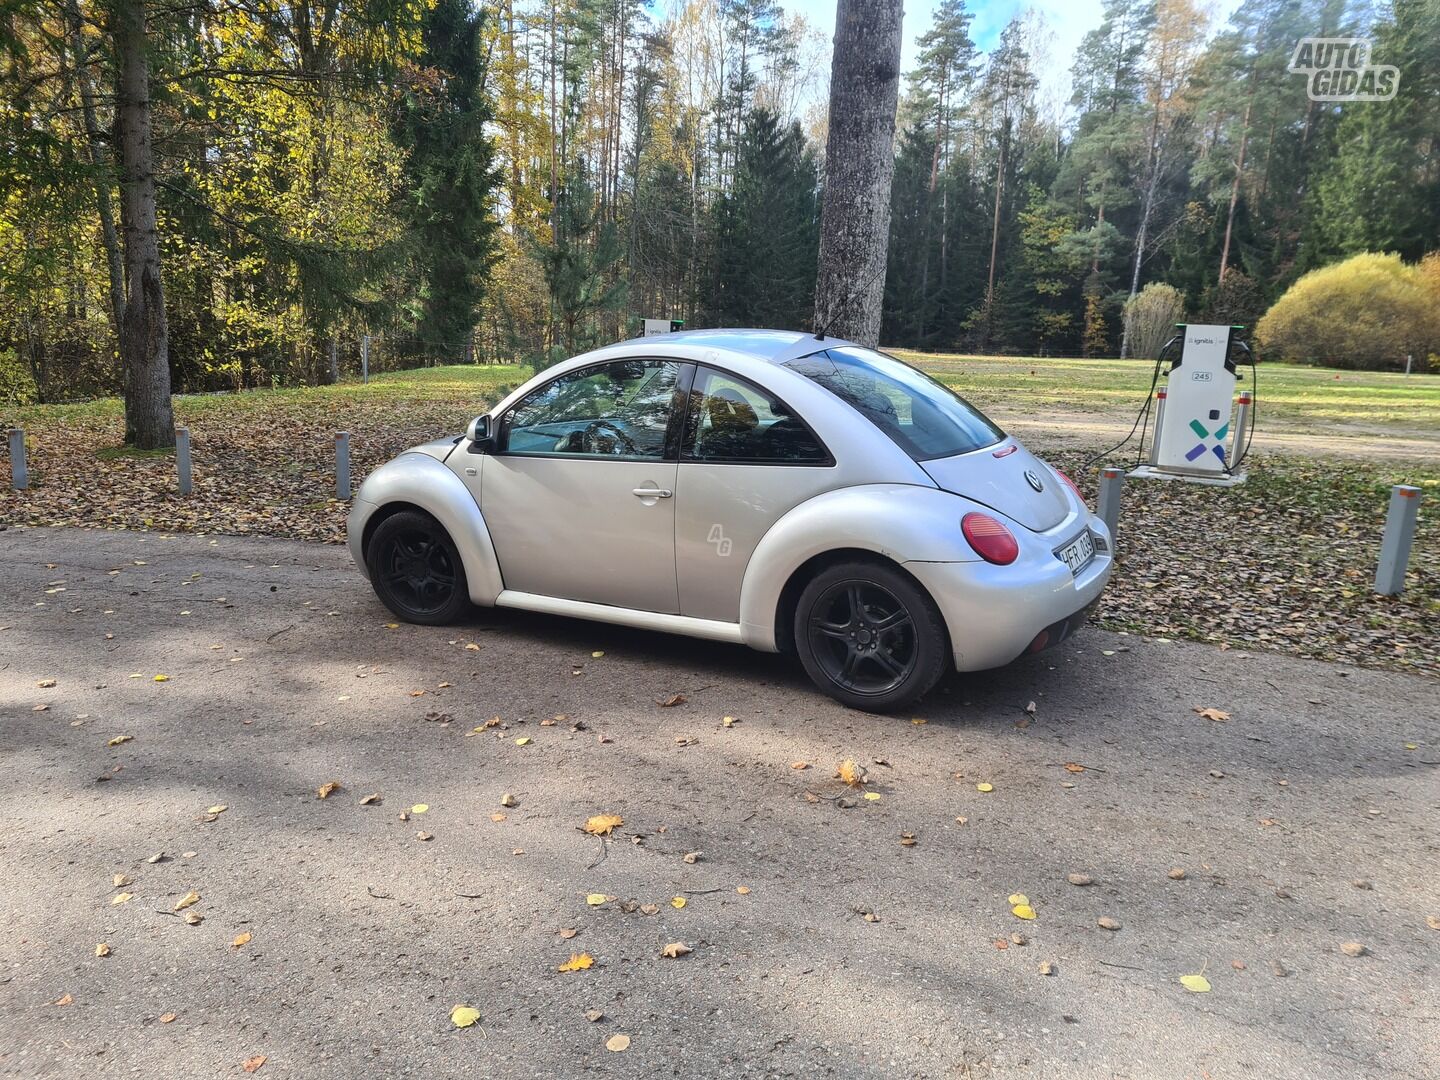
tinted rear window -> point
(925, 418)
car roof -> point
(776, 346)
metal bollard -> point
(1400, 523)
(182, 458)
(1242, 419)
(19, 474)
(1107, 503)
(342, 465)
(1154, 458)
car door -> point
(578, 495)
(746, 458)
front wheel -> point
(869, 636)
(416, 569)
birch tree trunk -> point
(144, 337)
(859, 168)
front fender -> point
(420, 480)
(902, 522)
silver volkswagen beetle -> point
(782, 490)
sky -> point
(1068, 22)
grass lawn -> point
(1292, 397)
(1284, 562)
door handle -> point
(652, 493)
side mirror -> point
(479, 433)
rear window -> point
(925, 418)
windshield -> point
(925, 418)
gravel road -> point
(824, 943)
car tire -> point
(869, 636)
(416, 571)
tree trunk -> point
(1235, 193)
(144, 337)
(859, 168)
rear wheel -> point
(869, 636)
(416, 569)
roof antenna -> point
(843, 307)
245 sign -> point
(1339, 69)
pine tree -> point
(767, 231)
(452, 177)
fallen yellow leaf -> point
(595, 899)
(162, 678)
(918, 720)
(678, 902)
(241, 939)
(420, 808)
(743, 890)
(850, 773)
(617, 1043)
(676, 949)
(168, 1018)
(872, 796)
(984, 787)
(325, 790)
(122, 898)
(118, 739)
(1218, 715)
(1019, 898)
(603, 824)
(252, 1064)
(1023, 911)
(1074, 766)
(577, 962)
(463, 1016)
(1196, 984)
(102, 949)
(186, 900)
(598, 653)
(524, 740)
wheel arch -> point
(806, 572)
(893, 523)
(419, 482)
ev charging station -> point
(1197, 412)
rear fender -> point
(421, 481)
(900, 522)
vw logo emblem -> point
(1033, 481)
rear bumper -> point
(995, 614)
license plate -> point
(1078, 553)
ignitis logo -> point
(1339, 69)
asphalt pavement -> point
(834, 931)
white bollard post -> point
(1242, 419)
(342, 465)
(19, 474)
(182, 458)
(1400, 523)
(1107, 503)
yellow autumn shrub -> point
(1368, 312)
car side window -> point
(732, 421)
(620, 409)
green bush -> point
(17, 386)
(1367, 312)
(1150, 318)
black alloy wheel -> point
(416, 570)
(870, 636)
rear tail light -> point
(991, 540)
(1071, 484)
